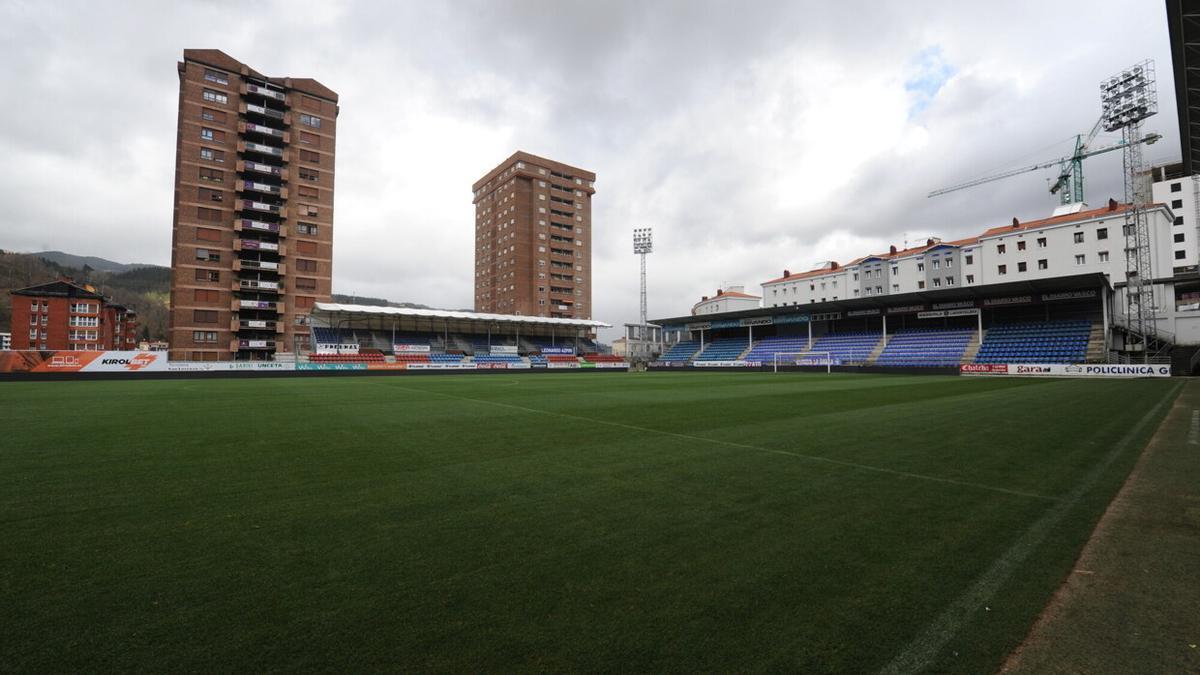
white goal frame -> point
(791, 357)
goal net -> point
(803, 359)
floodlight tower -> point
(1126, 99)
(643, 243)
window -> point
(920, 284)
(920, 267)
(310, 139)
(895, 288)
(949, 263)
(937, 283)
(207, 234)
(1178, 220)
(307, 247)
(215, 76)
(306, 283)
(209, 195)
(968, 259)
(1179, 255)
(1126, 230)
(949, 281)
(208, 154)
(306, 228)
(208, 275)
(1177, 203)
(1176, 187)
(306, 265)
(308, 210)
(210, 115)
(304, 302)
(204, 316)
(212, 175)
(310, 156)
(306, 191)
(310, 120)
(1178, 237)
(936, 263)
(212, 134)
(1021, 267)
(970, 278)
(1021, 245)
(1078, 237)
(1080, 259)
(204, 336)
(202, 295)
(309, 174)
(1043, 264)
(1103, 255)
(1000, 248)
(211, 215)
(215, 97)
(1102, 234)
(207, 255)
(1002, 269)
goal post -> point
(802, 359)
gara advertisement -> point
(1067, 369)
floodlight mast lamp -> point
(643, 243)
(1126, 99)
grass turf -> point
(655, 522)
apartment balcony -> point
(258, 265)
(264, 111)
(249, 166)
(264, 345)
(260, 148)
(271, 132)
(252, 205)
(264, 188)
(257, 90)
(263, 305)
(256, 245)
(257, 285)
(241, 224)
(256, 324)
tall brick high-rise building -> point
(533, 239)
(252, 246)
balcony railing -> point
(255, 245)
(239, 265)
(265, 305)
(263, 91)
(252, 128)
(248, 224)
(257, 285)
(251, 205)
(256, 344)
(264, 188)
(263, 110)
(262, 148)
(266, 169)
(256, 324)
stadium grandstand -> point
(433, 339)
(1057, 320)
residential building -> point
(65, 316)
(1181, 193)
(252, 244)
(5, 342)
(533, 239)
(731, 299)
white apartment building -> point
(732, 299)
(1182, 195)
(1083, 242)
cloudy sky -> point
(752, 136)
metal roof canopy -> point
(1074, 282)
(435, 320)
(1183, 26)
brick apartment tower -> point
(252, 245)
(533, 239)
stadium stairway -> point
(972, 347)
(1095, 346)
(878, 350)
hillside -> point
(144, 288)
(80, 261)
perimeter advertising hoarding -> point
(227, 366)
(558, 350)
(83, 362)
(442, 366)
(719, 364)
(410, 349)
(1067, 369)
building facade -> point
(252, 240)
(5, 342)
(1181, 192)
(65, 316)
(533, 239)
(731, 299)
(1083, 242)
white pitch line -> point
(1194, 431)
(745, 446)
(920, 653)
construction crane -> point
(1069, 184)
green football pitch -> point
(601, 522)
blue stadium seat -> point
(1036, 342)
(926, 347)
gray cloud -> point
(751, 136)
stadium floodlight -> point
(643, 243)
(1128, 97)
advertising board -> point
(558, 350)
(442, 366)
(227, 366)
(410, 349)
(1067, 369)
(503, 349)
(719, 364)
(331, 366)
(83, 362)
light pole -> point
(643, 243)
